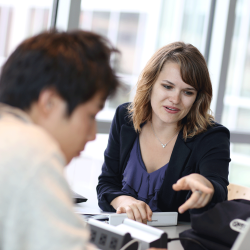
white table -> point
(173, 232)
(91, 207)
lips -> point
(171, 110)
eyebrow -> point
(174, 85)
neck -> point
(163, 130)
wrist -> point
(119, 200)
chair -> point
(238, 192)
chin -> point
(169, 119)
(171, 122)
(78, 154)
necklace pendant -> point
(163, 145)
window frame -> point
(66, 14)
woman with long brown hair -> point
(165, 151)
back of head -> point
(76, 64)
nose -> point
(175, 97)
(92, 132)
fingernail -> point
(180, 211)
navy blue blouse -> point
(137, 182)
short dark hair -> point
(76, 64)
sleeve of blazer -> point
(110, 182)
(214, 156)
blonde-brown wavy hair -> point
(193, 70)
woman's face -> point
(171, 98)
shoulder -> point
(122, 115)
(28, 153)
(28, 143)
(216, 130)
(39, 139)
(216, 135)
(122, 109)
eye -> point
(189, 93)
(167, 86)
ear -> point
(47, 101)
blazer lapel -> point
(127, 138)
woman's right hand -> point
(136, 210)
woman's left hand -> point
(201, 187)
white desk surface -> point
(91, 207)
(173, 232)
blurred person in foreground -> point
(165, 151)
(51, 88)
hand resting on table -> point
(136, 210)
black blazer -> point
(207, 154)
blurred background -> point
(220, 29)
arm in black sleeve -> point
(214, 152)
(110, 180)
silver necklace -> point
(163, 145)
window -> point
(236, 103)
(138, 28)
(236, 113)
(5, 23)
(19, 20)
(38, 20)
(239, 170)
(185, 21)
